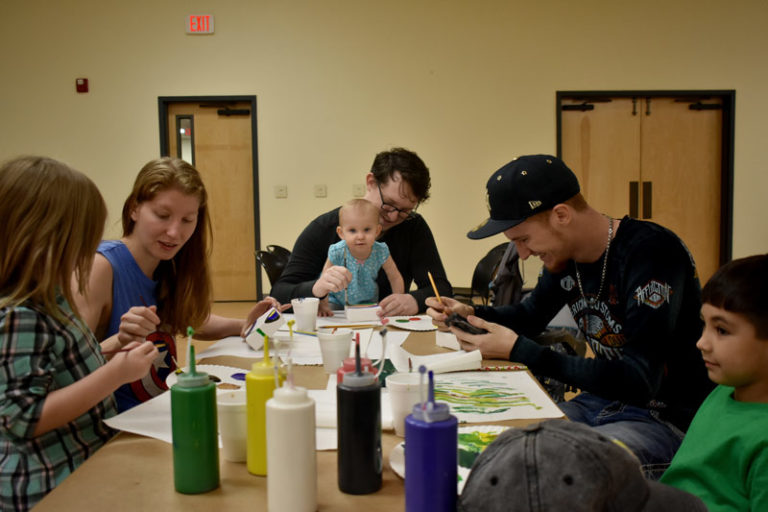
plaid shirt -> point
(38, 355)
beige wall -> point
(466, 84)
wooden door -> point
(222, 150)
(652, 158)
(602, 147)
(681, 160)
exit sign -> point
(199, 24)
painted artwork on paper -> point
(481, 397)
(472, 442)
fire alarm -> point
(81, 85)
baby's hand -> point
(323, 309)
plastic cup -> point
(232, 424)
(334, 347)
(404, 393)
(305, 313)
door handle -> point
(647, 199)
(634, 191)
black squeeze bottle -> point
(358, 415)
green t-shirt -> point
(724, 456)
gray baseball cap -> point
(559, 465)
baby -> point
(362, 255)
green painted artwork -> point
(480, 396)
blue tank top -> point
(130, 287)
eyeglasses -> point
(407, 213)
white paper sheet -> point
(153, 419)
(447, 339)
(449, 362)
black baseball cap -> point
(524, 187)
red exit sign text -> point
(200, 24)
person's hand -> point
(324, 309)
(398, 304)
(439, 311)
(333, 279)
(137, 323)
(259, 309)
(135, 363)
(495, 345)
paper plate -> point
(224, 373)
(397, 460)
(420, 323)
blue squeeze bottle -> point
(431, 455)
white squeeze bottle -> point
(291, 457)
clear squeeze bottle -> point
(259, 386)
(194, 430)
(292, 481)
(358, 404)
(431, 455)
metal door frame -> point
(162, 107)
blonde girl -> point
(55, 387)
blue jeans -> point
(652, 441)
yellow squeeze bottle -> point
(259, 387)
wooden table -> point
(135, 473)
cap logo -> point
(524, 173)
(534, 204)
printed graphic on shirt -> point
(653, 294)
(601, 329)
(567, 283)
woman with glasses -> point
(397, 183)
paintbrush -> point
(434, 287)
(112, 352)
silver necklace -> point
(592, 302)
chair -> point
(273, 264)
(280, 252)
(485, 271)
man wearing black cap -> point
(633, 290)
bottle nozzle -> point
(422, 391)
(358, 370)
(191, 353)
(190, 350)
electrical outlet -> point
(321, 191)
(358, 190)
(281, 191)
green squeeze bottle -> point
(195, 432)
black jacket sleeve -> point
(307, 258)
(414, 251)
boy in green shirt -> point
(724, 456)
